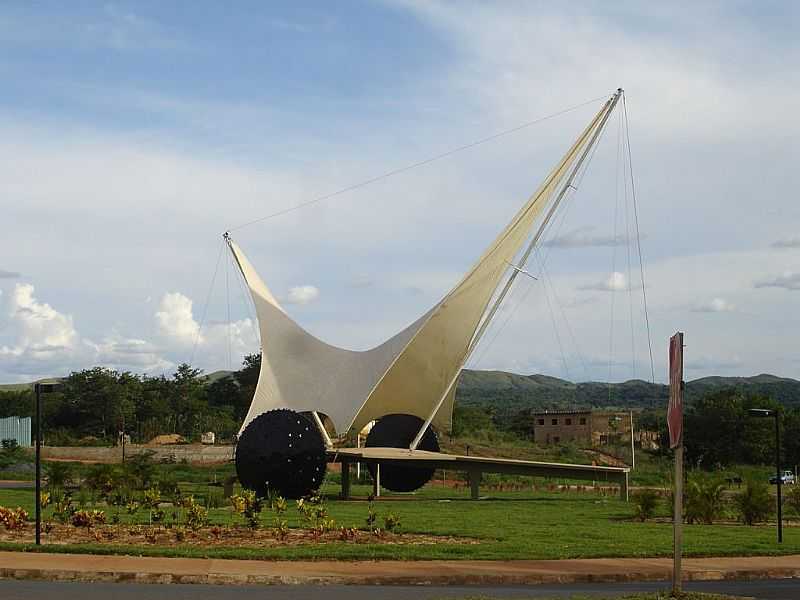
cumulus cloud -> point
(302, 294)
(39, 340)
(787, 243)
(9, 274)
(38, 328)
(616, 282)
(175, 319)
(585, 238)
(116, 351)
(217, 344)
(715, 305)
(42, 340)
(788, 281)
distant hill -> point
(18, 387)
(512, 393)
(509, 393)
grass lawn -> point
(508, 525)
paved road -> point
(38, 590)
(12, 485)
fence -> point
(16, 428)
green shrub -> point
(754, 502)
(793, 498)
(59, 475)
(372, 517)
(214, 499)
(11, 454)
(141, 469)
(391, 522)
(703, 500)
(196, 515)
(645, 503)
(249, 506)
(103, 479)
(169, 488)
(88, 518)
(121, 496)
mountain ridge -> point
(508, 392)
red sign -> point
(675, 410)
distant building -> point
(17, 429)
(557, 427)
(589, 428)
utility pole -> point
(780, 474)
(39, 389)
(633, 447)
(675, 423)
(769, 412)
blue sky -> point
(134, 134)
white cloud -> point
(789, 280)
(176, 321)
(123, 353)
(714, 305)
(615, 282)
(302, 294)
(39, 328)
(9, 274)
(696, 77)
(214, 344)
(40, 340)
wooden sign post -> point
(675, 424)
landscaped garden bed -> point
(217, 537)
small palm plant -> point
(754, 502)
(645, 503)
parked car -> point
(787, 477)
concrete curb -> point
(130, 569)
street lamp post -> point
(39, 389)
(766, 412)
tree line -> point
(94, 405)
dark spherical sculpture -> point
(398, 431)
(282, 452)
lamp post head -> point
(760, 412)
(45, 387)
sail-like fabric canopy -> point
(410, 372)
(303, 373)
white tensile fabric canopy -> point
(410, 372)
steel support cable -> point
(638, 239)
(418, 164)
(629, 278)
(612, 280)
(208, 300)
(571, 332)
(576, 187)
(228, 302)
(566, 203)
(553, 317)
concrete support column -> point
(376, 483)
(345, 480)
(474, 483)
